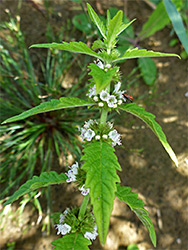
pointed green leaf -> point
(108, 18)
(137, 53)
(114, 28)
(125, 26)
(156, 21)
(149, 119)
(178, 25)
(137, 206)
(100, 165)
(148, 70)
(73, 241)
(44, 180)
(76, 47)
(98, 44)
(63, 102)
(96, 20)
(101, 77)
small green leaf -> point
(149, 119)
(176, 20)
(63, 102)
(101, 77)
(76, 47)
(113, 29)
(44, 180)
(125, 26)
(148, 70)
(137, 53)
(98, 44)
(132, 247)
(101, 178)
(73, 241)
(96, 20)
(137, 206)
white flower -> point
(108, 66)
(93, 235)
(84, 190)
(115, 137)
(72, 173)
(110, 125)
(99, 64)
(104, 136)
(88, 124)
(62, 216)
(117, 87)
(63, 229)
(89, 134)
(95, 98)
(120, 102)
(111, 101)
(97, 137)
(101, 104)
(115, 106)
(92, 91)
(104, 95)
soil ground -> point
(145, 165)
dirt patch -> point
(145, 165)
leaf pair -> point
(70, 102)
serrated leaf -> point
(113, 29)
(98, 44)
(96, 20)
(101, 77)
(137, 53)
(149, 119)
(177, 23)
(137, 206)
(101, 178)
(73, 241)
(157, 21)
(76, 47)
(54, 104)
(44, 180)
(125, 26)
(148, 70)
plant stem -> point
(83, 207)
(104, 115)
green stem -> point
(83, 207)
(104, 115)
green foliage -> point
(114, 28)
(101, 77)
(101, 165)
(148, 70)
(149, 119)
(81, 23)
(43, 138)
(132, 247)
(177, 23)
(63, 102)
(157, 21)
(74, 241)
(137, 206)
(44, 180)
(138, 53)
(96, 20)
(76, 47)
